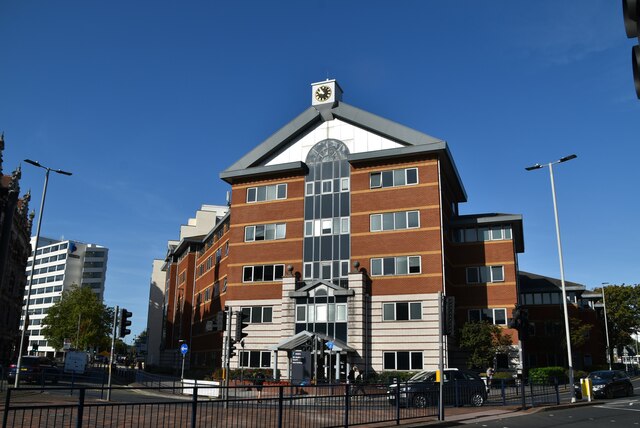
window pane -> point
(254, 359)
(497, 273)
(321, 313)
(278, 272)
(309, 189)
(387, 178)
(470, 235)
(270, 232)
(282, 191)
(326, 186)
(247, 275)
(341, 313)
(281, 231)
(387, 221)
(301, 312)
(258, 273)
(500, 316)
(401, 220)
(414, 264)
(259, 234)
(265, 359)
(268, 273)
(262, 193)
(416, 361)
(308, 273)
(271, 192)
(402, 311)
(483, 234)
(308, 228)
(331, 317)
(403, 361)
(402, 267)
(376, 266)
(389, 266)
(311, 313)
(474, 315)
(388, 311)
(487, 315)
(376, 222)
(389, 360)
(344, 185)
(399, 177)
(484, 273)
(412, 176)
(256, 315)
(413, 219)
(375, 179)
(344, 225)
(326, 227)
(251, 194)
(496, 232)
(416, 310)
(507, 232)
(326, 270)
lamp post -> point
(606, 325)
(564, 289)
(25, 325)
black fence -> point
(199, 405)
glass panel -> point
(262, 193)
(326, 227)
(375, 179)
(254, 359)
(497, 274)
(282, 191)
(341, 313)
(403, 361)
(474, 315)
(251, 194)
(326, 270)
(308, 271)
(271, 192)
(301, 312)
(327, 186)
(376, 266)
(507, 232)
(389, 266)
(311, 313)
(400, 220)
(484, 273)
(387, 221)
(496, 233)
(268, 273)
(247, 275)
(487, 315)
(278, 272)
(336, 226)
(256, 315)
(412, 176)
(470, 235)
(389, 360)
(309, 189)
(265, 359)
(537, 299)
(308, 228)
(402, 311)
(414, 264)
(281, 231)
(332, 313)
(321, 313)
(472, 275)
(500, 316)
(402, 267)
(376, 222)
(387, 178)
(416, 361)
(344, 185)
(258, 273)
(388, 311)
(415, 309)
(344, 225)
(483, 234)
(413, 218)
(399, 177)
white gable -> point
(356, 139)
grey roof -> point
(531, 282)
(230, 175)
(310, 118)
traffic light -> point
(125, 322)
(232, 349)
(242, 321)
(449, 316)
(631, 14)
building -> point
(343, 230)
(546, 341)
(60, 264)
(15, 229)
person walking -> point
(358, 381)
(490, 373)
(258, 381)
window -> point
(485, 274)
(321, 312)
(344, 184)
(401, 311)
(327, 186)
(404, 265)
(207, 294)
(267, 193)
(259, 314)
(393, 178)
(494, 316)
(262, 273)
(328, 226)
(255, 359)
(493, 233)
(395, 221)
(309, 189)
(402, 360)
(265, 232)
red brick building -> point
(342, 229)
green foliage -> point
(482, 341)
(579, 332)
(78, 316)
(547, 375)
(388, 377)
(623, 313)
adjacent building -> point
(15, 229)
(57, 265)
(343, 232)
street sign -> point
(329, 345)
(184, 348)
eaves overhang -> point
(185, 243)
(232, 176)
(515, 220)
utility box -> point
(75, 362)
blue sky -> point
(147, 101)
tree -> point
(483, 341)
(78, 316)
(579, 332)
(623, 313)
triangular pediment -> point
(319, 287)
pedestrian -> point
(490, 373)
(358, 382)
(258, 380)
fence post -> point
(194, 406)
(557, 391)
(280, 404)
(7, 402)
(80, 408)
(397, 382)
(533, 398)
(347, 400)
(502, 392)
(523, 390)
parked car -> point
(460, 387)
(607, 384)
(35, 369)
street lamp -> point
(564, 289)
(25, 325)
(606, 325)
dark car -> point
(460, 387)
(35, 369)
(608, 384)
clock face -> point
(323, 93)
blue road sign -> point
(184, 348)
(329, 345)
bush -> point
(547, 375)
(387, 377)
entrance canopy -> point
(304, 337)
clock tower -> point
(324, 96)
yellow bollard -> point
(585, 386)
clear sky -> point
(147, 101)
